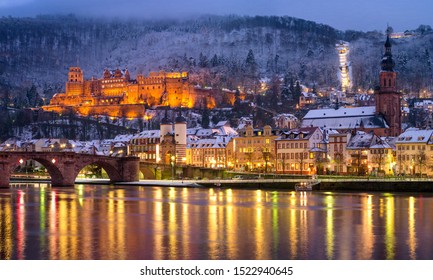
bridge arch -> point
(64, 167)
(49, 164)
(112, 171)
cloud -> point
(13, 3)
(342, 14)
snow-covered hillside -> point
(38, 51)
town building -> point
(208, 152)
(300, 151)
(414, 150)
(253, 150)
(286, 121)
(337, 152)
(370, 154)
(307, 99)
(145, 145)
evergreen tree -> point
(214, 62)
(250, 63)
(297, 92)
(237, 99)
(202, 61)
(205, 121)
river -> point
(107, 222)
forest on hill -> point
(216, 50)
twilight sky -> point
(342, 14)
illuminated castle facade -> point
(117, 95)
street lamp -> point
(172, 166)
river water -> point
(106, 222)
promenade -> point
(368, 184)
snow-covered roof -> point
(415, 136)
(286, 117)
(123, 138)
(221, 123)
(344, 118)
(362, 140)
(217, 142)
(147, 134)
(297, 134)
(341, 112)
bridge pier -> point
(130, 167)
(4, 171)
(4, 178)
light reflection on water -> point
(103, 222)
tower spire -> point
(387, 63)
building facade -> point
(300, 151)
(252, 150)
(116, 94)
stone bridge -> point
(159, 171)
(64, 167)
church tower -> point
(388, 102)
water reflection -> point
(90, 222)
(329, 200)
(412, 242)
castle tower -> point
(167, 144)
(74, 85)
(180, 138)
(388, 102)
(166, 127)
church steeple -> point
(387, 97)
(387, 63)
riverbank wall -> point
(356, 185)
(377, 186)
(333, 185)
